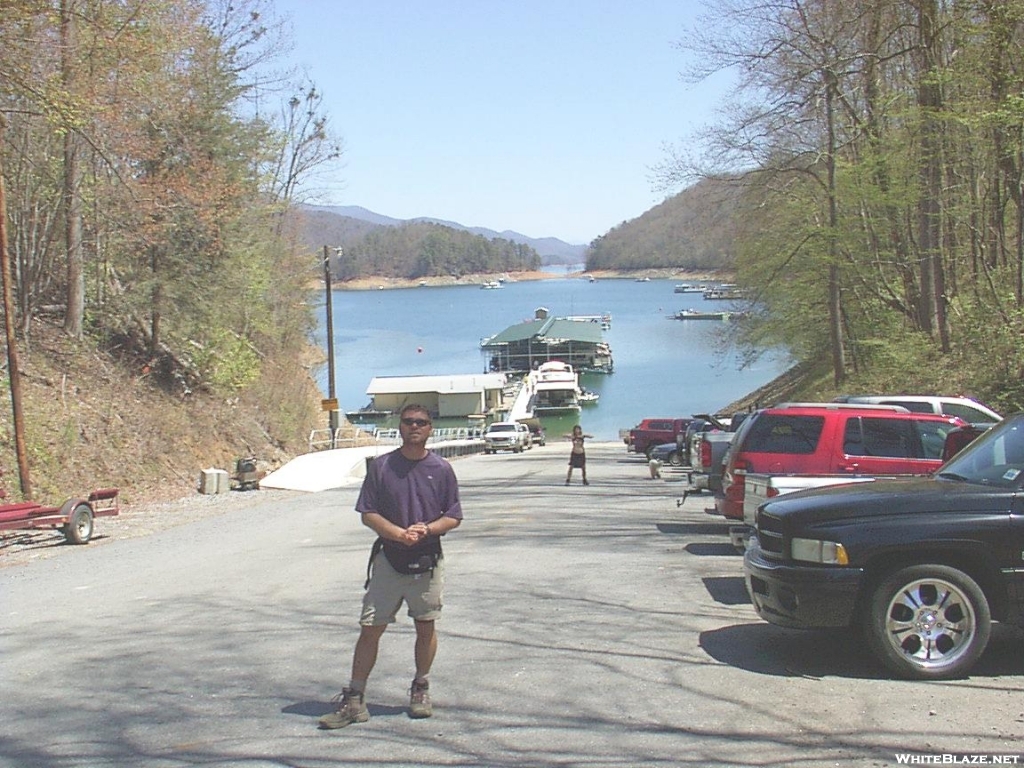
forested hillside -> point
(881, 227)
(691, 231)
(144, 174)
(420, 250)
(344, 226)
(318, 228)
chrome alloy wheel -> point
(931, 622)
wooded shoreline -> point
(384, 283)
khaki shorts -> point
(388, 589)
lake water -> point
(663, 367)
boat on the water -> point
(586, 397)
(689, 288)
(724, 291)
(696, 314)
(604, 319)
(555, 387)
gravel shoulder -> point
(144, 519)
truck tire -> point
(78, 528)
(928, 622)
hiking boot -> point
(419, 700)
(351, 709)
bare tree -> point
(75, 307)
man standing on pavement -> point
(410, 498)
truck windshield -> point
(996, 458)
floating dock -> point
(578, 341)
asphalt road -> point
(584, 626)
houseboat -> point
(689, 288)
(555, 388)
(725, 291)
(696, 314)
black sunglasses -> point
(416, 422)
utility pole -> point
(13, 363)
(331, 393)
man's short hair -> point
(413, 407)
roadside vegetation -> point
(879, 151)
(155, 287)
(865, 183)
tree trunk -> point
(835, 296)
(13, 362)
(929, 99)
(75, 312)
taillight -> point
(705, 453)
(771, 491)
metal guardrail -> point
(324, 439)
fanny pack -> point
(411, 561)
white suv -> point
(967, 409)
(507, 436)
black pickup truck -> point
(921, 565)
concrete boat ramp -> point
(341, 467)
(323, 470)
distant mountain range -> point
(338, 223)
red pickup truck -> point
(651, 432)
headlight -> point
(815, 551)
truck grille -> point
(771, 538)
(772, 543)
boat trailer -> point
(75, 517)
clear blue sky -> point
(540, 116)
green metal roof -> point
(552, 329)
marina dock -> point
(577, 340)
